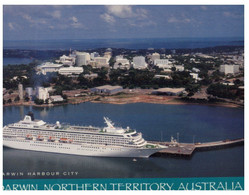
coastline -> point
(130, 99)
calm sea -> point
(80, 44)
(16, 61)
(197, 123)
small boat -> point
(29, 137)
(40, 138)
(134, 160)
(63, 140)
(51, 139)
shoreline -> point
(166, 100)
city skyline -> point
(43, 22)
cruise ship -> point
(110, 141)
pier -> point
(186, 149)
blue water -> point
(80, 44)
(205, 123)
(16, 61)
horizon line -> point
(237, 37)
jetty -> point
(187, 149)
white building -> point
(49, 67)
(66, 60)
(56, 98)
(42, 93)
(195, 76)
(71, 70)
(20, 91)
(101, 62)
(121, 63)
(139, 62)
(82, 58)
(94, 55)
(91, 76)
(179, 68)
(195, 69)
(229, 69)
(164, 66)
(29, 92)
(161, 61)
(108, 55)
(154, 56)
(158, 76)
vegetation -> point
(223, 91)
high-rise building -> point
(29, 92)
(42, 93)
(82, 58)
(229, 69)
(94, 55)
(20, 91)
(154, 56)
(139, 62)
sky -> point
(40, 22)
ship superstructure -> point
(110, 141)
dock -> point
(187, 149)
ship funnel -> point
(31, 114)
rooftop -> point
(108, 87)
(173, 90)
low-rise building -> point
(161, 61)
(195, 69)
(56, 98)
(49, 67)
(101, 62)
(169, 91)
(107, 89)
(157, 76)
(91, 76)
(179, 68)
(71, 70)
(195, 76)
(121, 63)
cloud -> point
(130, 15)
(204, 8)
(74, 19)
(32, 20)
(107, 18)
(56, 14)
(121, 11)
(176, 20)
(75, 23)
(11, 26)
(232, 15)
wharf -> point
(186, 149)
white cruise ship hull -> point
(79, 149)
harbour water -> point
(16, 61)
(80, 44)
(198, 123)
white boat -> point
(110, 141)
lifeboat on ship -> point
(29, 137)
(40, 138)
(51, 139)
(64, 140)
